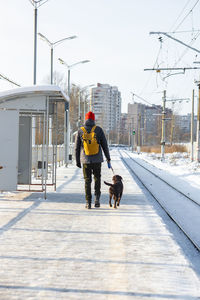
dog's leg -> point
(118, 201)
(110, 198)
(115, 201)
(120, 196)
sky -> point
(114, 36)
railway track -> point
(170, 192)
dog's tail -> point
(110, 184)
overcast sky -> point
(114, 35)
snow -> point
(33, 89)
(185, 212)
(177, 169)
(55, 248)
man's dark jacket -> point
(81, 157)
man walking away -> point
(90, 141)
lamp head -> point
(85, 61)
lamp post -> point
(36, 4)
(82, 90)
(67, 124)
(52, 45)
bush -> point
(168, 149)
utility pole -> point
(132, 135)
(163, 127)
(129, 136)
(192, 128)
(164, 119)
(139, 133)
(172, 124)
(198, 126)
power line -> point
(9, 80)
(193, 40)
(153, 105)
(183, 31)
(180, 13)
(185, 50)
(187, 15)
(156, 61)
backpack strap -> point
(93, 128)
(83, 129)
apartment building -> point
(182, 127)
(146, 121)
(106, 104)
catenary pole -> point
(138, 133)
(198, 126)
(163, 127)
(192, 128)
(131, 134)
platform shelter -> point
(30, 117)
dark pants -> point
(88, 170)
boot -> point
(88, 205)
(97, 202)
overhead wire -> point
(155, 63)
(183, 31)
(153, 105)
(9, 80)
(193, 39)
(174, 31)
(159, 52)
(191, 10)
(180, 14)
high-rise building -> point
(182, 127)
(106, 104)
(146, 121)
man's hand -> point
(109, 165)
(78, 164)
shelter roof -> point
(46, 90)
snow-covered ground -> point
(56, 249)
(178, 170)
(185, 213)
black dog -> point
(115, 190)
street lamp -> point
(36, 4)
(69, 67)
(52, 45)
(67, 124)
(82, 90)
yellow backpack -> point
(90, 144)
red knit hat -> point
(90, 115)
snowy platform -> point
(57, 249)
